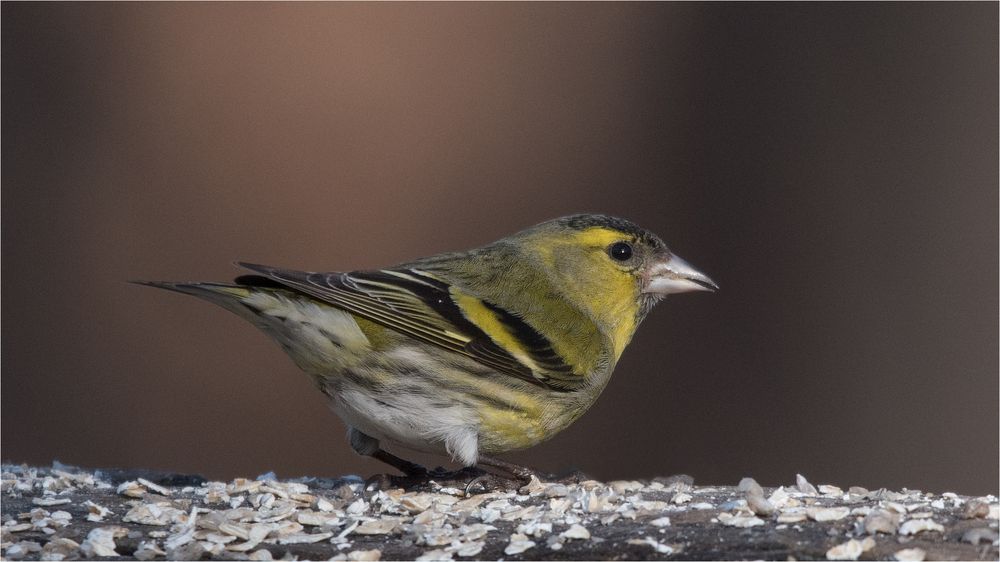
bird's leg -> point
(368, 446)
(414, 475)
(516, 476)
(410, 469)
(523, 474)
(519, 472)
(513, 476)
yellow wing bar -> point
(429, 309)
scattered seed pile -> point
(62, 514)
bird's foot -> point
(503, 476)
(470, 479)
(525, 474)
(413, 475)
(491, 482)
(517, 477)
(571, 477)
(419, 478)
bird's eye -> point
(620, 251)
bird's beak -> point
(674, 275)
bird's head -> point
(611, 268)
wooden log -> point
(124, 514)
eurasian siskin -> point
(470, 353)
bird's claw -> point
(470, 479)
(490, 482)
(414, 474)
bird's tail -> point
(243, 297)
(318, 337)
(234, 297)
(226, 295)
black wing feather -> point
(421, 306)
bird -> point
(468, 354)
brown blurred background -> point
(833, 167)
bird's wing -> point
(427, 308)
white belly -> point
(328, 344)
(412, 421)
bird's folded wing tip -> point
(251, 266)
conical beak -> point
(675, 275)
